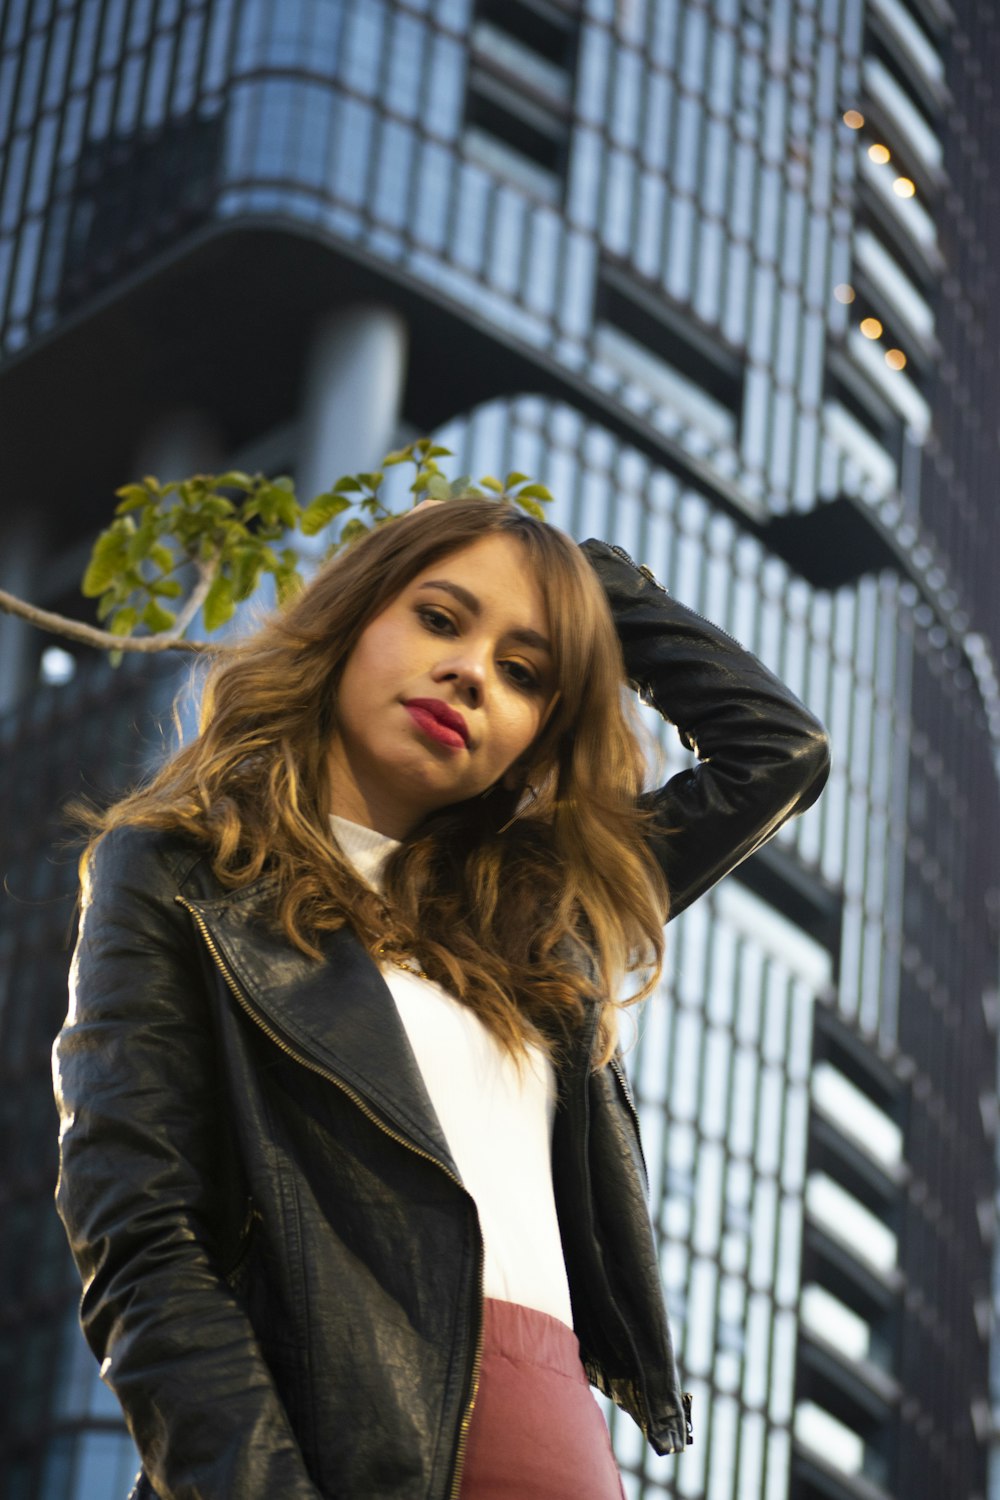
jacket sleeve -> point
(762, 756)
(137, 1093)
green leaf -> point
(348, 485)
(108, 557)
(246, 570)
(97, 577)
(142, 540)
(371, 481)
(283, 507)
(266, 505)
(132, 497)
(287, 584)
(534, 492)
(219, 603)
(438, 487)
(531, 506)
(514, 478)
(233, 479)
(460, 486)
(217, 506)
(437, 452)
(489, 483)
(124, 620)
(161, 555)
(397, 456)
(166, 588)
(424, 477)
(107, 602)
(235, 534)
(157, 618)
(289, 509)
(354, 530)
(321, 511)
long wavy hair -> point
(528, 904)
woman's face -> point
(444, 690)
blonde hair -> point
(525, 904)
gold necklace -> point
(402, 963)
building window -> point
(846, 1387)
(662, 352)
(896, 35)
(518, 99)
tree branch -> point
(194, 601)
(89, 635)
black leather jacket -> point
(281, 1267)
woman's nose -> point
(467, 672)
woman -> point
(349, 1163)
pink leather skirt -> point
(537, 1432)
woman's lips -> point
(439, 722)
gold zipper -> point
(369, 1113)
(630, 1106)
(463, 1431)
(626, 1090)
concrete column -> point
(354, 380)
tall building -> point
(723, 274)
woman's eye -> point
(522, 676)
(436, 619)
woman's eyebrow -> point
(470, 602)
(525, 636)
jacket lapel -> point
(337, 1013)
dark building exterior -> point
(723, 274)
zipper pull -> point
(647, 573)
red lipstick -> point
(439, 722)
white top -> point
(496, 1117)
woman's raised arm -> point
(763, 757)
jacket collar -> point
(335, 1015)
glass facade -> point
(61, 1432)
(721, 273)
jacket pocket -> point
(236, 1274)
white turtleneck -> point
(496, 1117)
